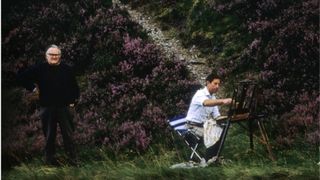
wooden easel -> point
(243, 109)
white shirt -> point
(199, 113)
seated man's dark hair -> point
(212, 76)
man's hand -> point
(72, 109)
(33, 95)
(226, 101)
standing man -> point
(204, 105)
(58, 91)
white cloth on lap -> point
(211, 132)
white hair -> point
(53, 46)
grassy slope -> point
(156, 162)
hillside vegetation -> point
(273, 42)
(129, 88)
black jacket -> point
(57, 84)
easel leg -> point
(265, 139)
(223, 137)
(250, 124)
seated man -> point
(204, 105)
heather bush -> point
(28, 27)
(125, 106)
(119, 107)
(302, 122)
(82, 29)
(290, 69)
(284, 53)
(20, 128)
(275, 42)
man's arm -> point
(217, 102)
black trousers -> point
(51, 117)
(212, 150)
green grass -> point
(298, 163)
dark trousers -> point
(51, 117)
(213, 150)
